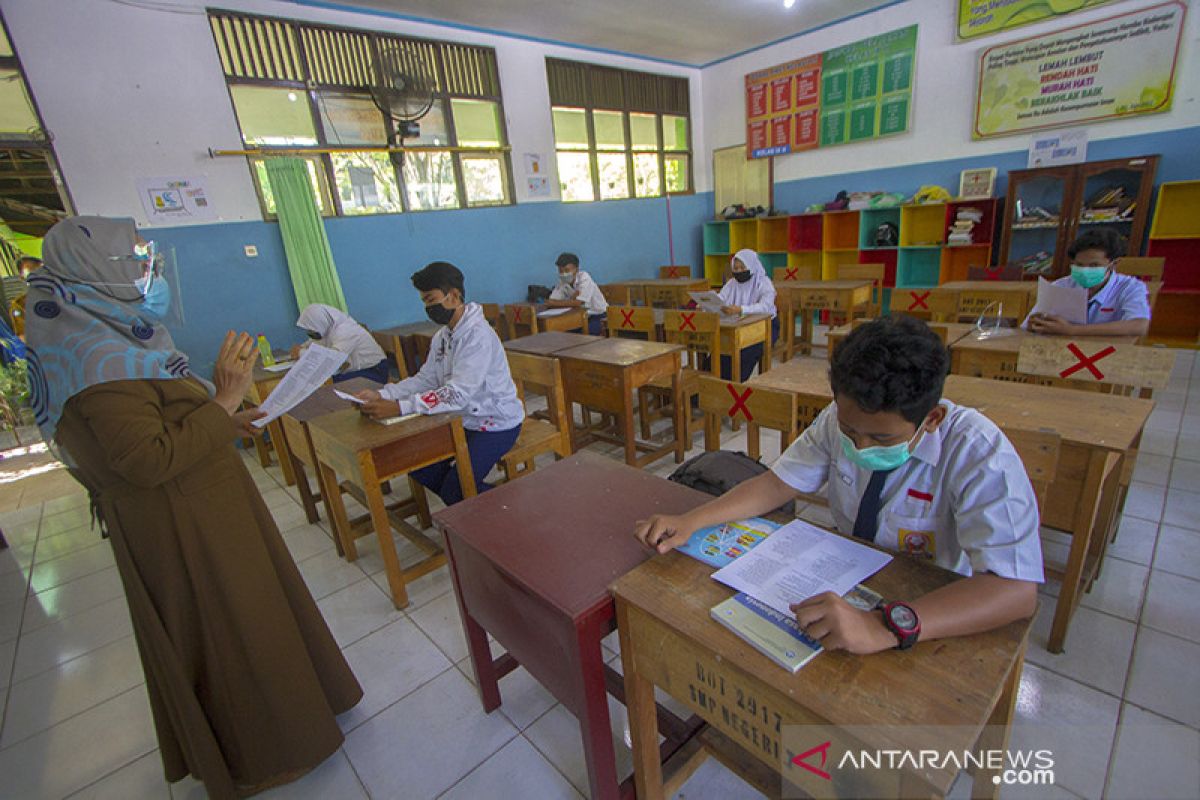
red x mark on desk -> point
(517, 315)
(1086, 362)
(739, 402)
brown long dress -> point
(243, 675)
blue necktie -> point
(866, 523)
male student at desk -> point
(576, 289)
(911, 472)
(1118, 305)
(466, 372)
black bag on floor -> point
(719, 471)
(537, 294)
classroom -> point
(426, 399)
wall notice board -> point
(852, 93)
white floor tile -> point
(1178, 551)
(81, 594)
(1144, 501)
(10, 520)
(1187, 446)
(1152, 469)
(1097, 649)
(1075, 722)
(54, 547)
(13, 586)
(7, 651)
(70, 638)
(1164, 678)
(1171, 605)
(389, 664)
(327, 572)
(1183, 508)
(289, 516)
(10, 619)
(439, 619)
(50, 697)
(66, 502)
(712, 781)
(517, 772)
(421, 591)
(1119, 589)
(64, 519)
(1159, 443)
(143, 780)
(1135, 541)
(1162, 420)
(47, 575)
(1185, 474)
(1155, 758)
(556, 734)
(357, 610)
(277, 498)
(334, 778)
(441, 731)
(81, 750)
(306, 541)
(522, 699)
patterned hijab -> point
(84, 323)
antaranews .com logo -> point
(1011, 767)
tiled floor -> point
(1121, 705)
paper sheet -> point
(350, 397)
(315, 366)
(799, 561)
(554, 312)
(1068, 302)
(280, 366)
(707, 301)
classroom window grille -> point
(619, 133)
(297, 85)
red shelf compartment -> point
(887, 258)
(984, 232)
(1181, 269)
(804, 232)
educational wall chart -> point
(172, 200)
(984, 17)
(1116, 67)
(852, 93)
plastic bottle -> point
(264, 349)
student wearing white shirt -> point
(748, 291)
(576, 289)
(466, 373)
(1118, 305)
(914, 474)
(338, 330)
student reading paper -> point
(339, 331)
(576, 289)
(1117, 305)
(748, 291)
(466, 372)
(911, 472)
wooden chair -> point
(393, 348)
(538, 435)
(700, 333)
(800, 272)
(866, 272)
(521, 318)
(663, 296)
(1039, 451)
(631, 322)
(1148, 269)
(675, 271)
(1153, 287)
(617, 294)
(758, 406)
(1003, 272)
(923, 304)
(495, 318)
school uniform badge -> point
(919, 544)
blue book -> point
(719, 545)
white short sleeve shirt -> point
(963, 500)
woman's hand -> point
(294, 353)
(242, 421)
(234, 370)
(731, 310)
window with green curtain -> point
(309, 259)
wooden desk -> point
(522, 325)
(971, 298)
(261, 385)
(549, 343)
(952, 687)
(805, 297)
(737, 333)
(412, 339)
(540, 586)
(996, 358)
(664, 292)
(954, 332)
(366, 454)
(1099, 431)
(605, 374)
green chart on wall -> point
(866, 87)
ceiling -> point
(693, 32)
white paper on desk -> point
(707, 301)
(316, 365)
(350, 397)
(279, 366)
(799, 561)
(554, 312)
(1068, 302)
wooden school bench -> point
(806, 297)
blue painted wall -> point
(502, 250)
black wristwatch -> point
(901, 620)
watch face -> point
(903, 617)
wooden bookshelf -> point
(1175, 237)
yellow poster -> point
(984, 17)
(1116, 67)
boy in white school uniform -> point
(1118, 305)
(576, 289)
(466, 372)
(911, 472)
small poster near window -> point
(174, 200)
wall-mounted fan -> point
(404, 92)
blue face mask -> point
(1087, 277)
(156, 299)
(878, 459)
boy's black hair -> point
(439, 275)
(567, 258)
(1106, 239)
(892, 364)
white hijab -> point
(340, 331)
(752, 291)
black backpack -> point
(719, 471)
(538, 294)
(887, 235)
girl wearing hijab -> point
(243, 676)
(749, 291)
(338, 330)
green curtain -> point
(310, 261)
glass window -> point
(429, 181)
(575, 176)
(16, 111)
(570, 129)
(643, 129)
(351, 119)
(483, 178)
(434, 130)
(316, 174)
(273, 116)
(675, 132)
(610, 130)
(366, 183)
(646, 180)
(476, 123)
(614, 176)
(677, 173)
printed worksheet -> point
(1068, 302)
(316, 365)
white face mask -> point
(567, 278)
